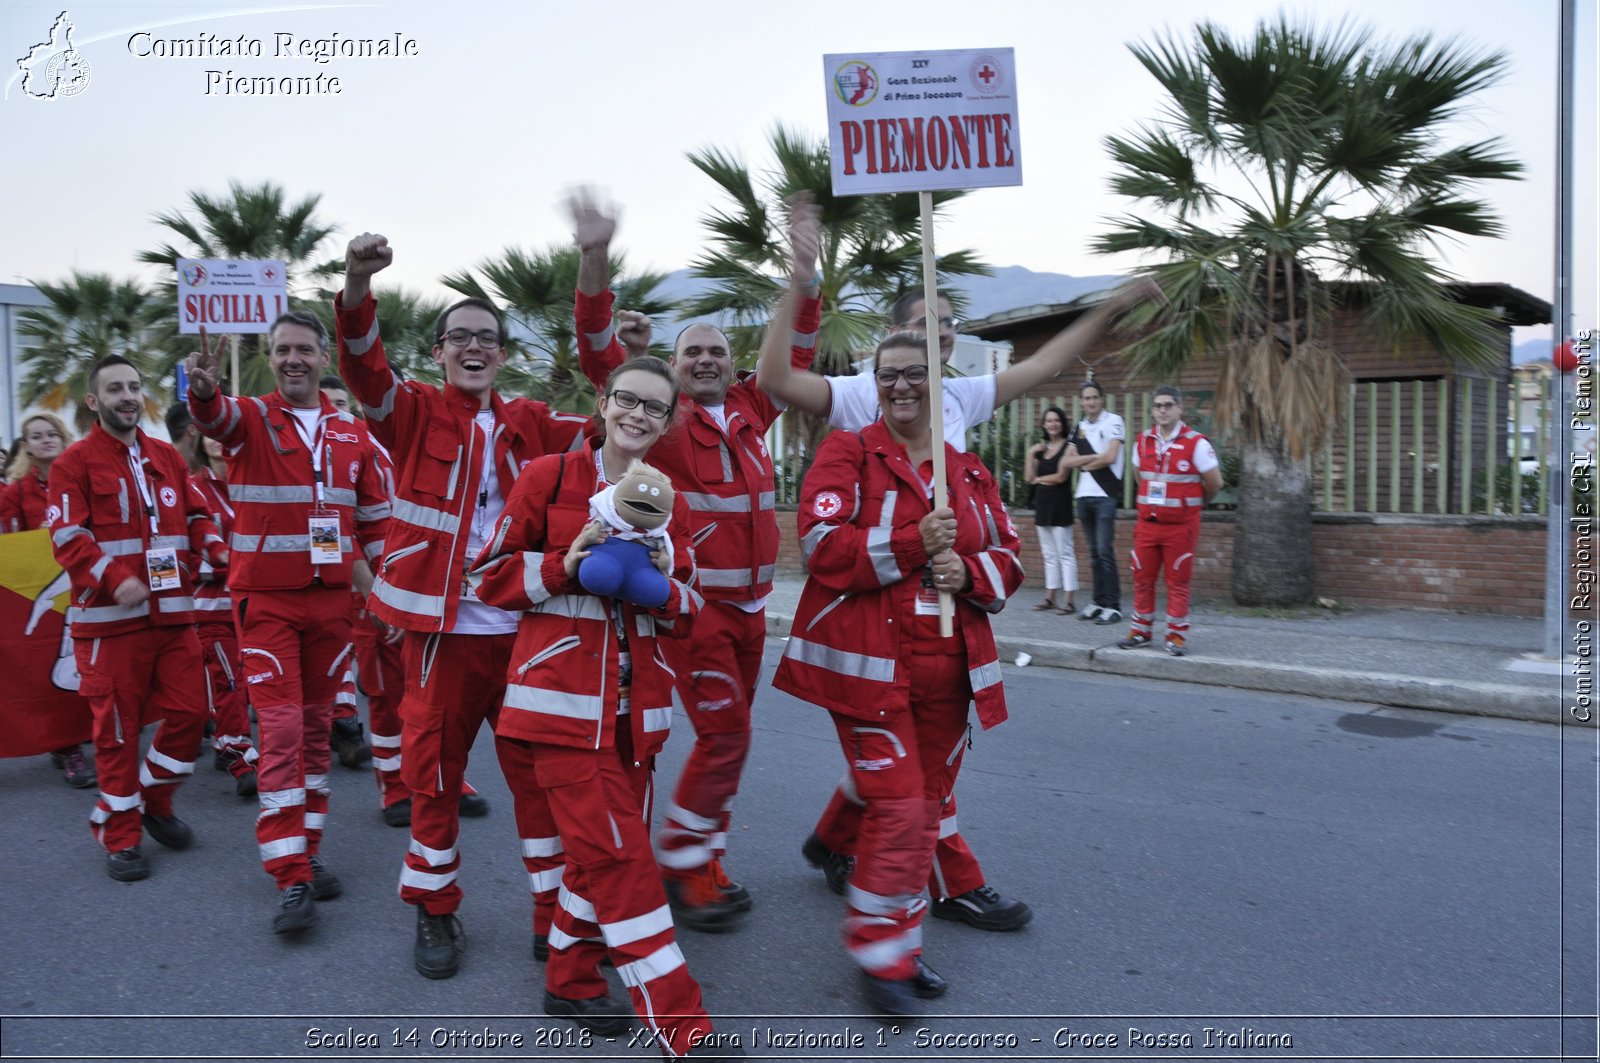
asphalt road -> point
(1214, 874)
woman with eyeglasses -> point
(1052, 511)
(589, 698)
(866, 646)
(23, 505)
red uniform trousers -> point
(453, 684)
(903, 770)
(293, 645)
(230, 710)
(1166, 549)
(717, 674)
(611, 898)
(129, 680)
(380, 671)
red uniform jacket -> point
(272, 487)
(1184, 493)
(100, 526)
(23, 503)
(439, 456)
(562, 689)
(727, 477)
(211, 598)
(858, 517)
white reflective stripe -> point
(124, 547)
(270, 493)
(282, 798)
(532, 584)
(658, 719)
(384, 408)
(213, 605)
(61, 536)
(686, 856)
(181, 603)
(379, 511)
(708, 503)
(877, 903)
(392, 741)
(841, 662)
(678, 814)
(627, 931)
(1146, 500)
(105, 614)
(318, 783)
(316, 820)
(169, 542)
(409, 601)
(98, 570)
(661, 962)
(544, 881)
(1170, 477)
(555, 703)
(573, 606)
(806, 340)
(359, 345)
(282, 847)
(599, 341)
(118, 803)
(177, 767)
(879, 549)
(560, 939)
(425, 516)
(541, 848)
(735, 577)
(813, 539)
(387, 763)
(991, 572)
(147, 778)
(224, 741)
(886, 953)
(422, 880)
(344, 697)
(280, 544)
(984, 676)
(432, 857)
(948, 828)
(576, 906)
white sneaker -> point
(1109, 616)
(1089, 612)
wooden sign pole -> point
(930, 297)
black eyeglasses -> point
(914, 374)
(629, 401)
(1163, 405)
(488, 339)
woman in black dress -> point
(1052, 512)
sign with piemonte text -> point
(230, 296)
(923, 121)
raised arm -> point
(214, 413)
(783, 368)
(362, 360)
(1063, 349)
(599, 348)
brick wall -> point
(1475, 564)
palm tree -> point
(871, 249)
(536, 290)
(89, 316)
(255, 222)
(1289, 164)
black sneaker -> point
(170, 831)
(129, 865)
(399, 813)
(76, 769)
(1175, 645)
(928, 983)
(737, 895)
(472, 805)
(245, 785)
(1109, 616)
(440, 943)
(222, 759)
(698, 904)
(325, 885)
(1134, 641)
(296, 909)
(606, 1016)
(348, 745)
(891, 996)
(541, 947)
(985, 909)
(836, 866)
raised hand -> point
(204, 368)
(805, 237)
(367, 254)
(593, 225)
(634, 330)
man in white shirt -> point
(1096, 452)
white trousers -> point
(1060, 559)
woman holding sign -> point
(867, 647)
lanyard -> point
(600, 470)
(1164, 446)
(136, 463)
(315, 443)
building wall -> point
(1474, 564)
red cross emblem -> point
(828, 503)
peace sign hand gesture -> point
(204, 368)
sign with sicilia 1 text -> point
(230, 296)
(923, 121)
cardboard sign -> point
(228, 296)
(922, 121)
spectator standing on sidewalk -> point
(1096, 449)
(1052, 511)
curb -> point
(1403, 691)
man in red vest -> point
(1178, 475)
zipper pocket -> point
(390, 559)
(701, 535)
(559, 646)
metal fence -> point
(1406, 446)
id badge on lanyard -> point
(160, 563)
(323, 524)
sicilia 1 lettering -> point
(236, 309)
(908, 145)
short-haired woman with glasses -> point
(589, 697)
(866, 646)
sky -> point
(471, 144)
